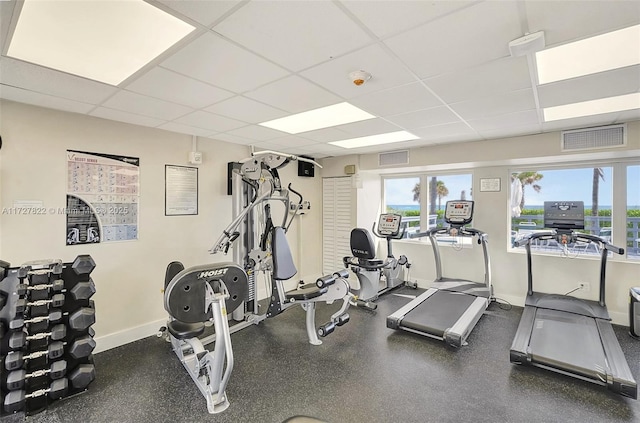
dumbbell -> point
(15, 359)
(54, 267)
(82, 376)
(82, 347)
(83, 290)
(54, 316)
(57, 286)
(14, 401)
(19, 339)
(16, 378)
(56, 301)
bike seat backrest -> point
(362, 246)
(283, 267)
(173, 269)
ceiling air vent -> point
(594, 138)
(394, 158)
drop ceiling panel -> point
(386, 72)
(368, 127)
(406, 98)
(206, 120)
(466, 38)
(136, 103)
(184, 129)
(170, 86)
(564, 21)
(439, 132)
(111, 114)
(501, 104)
(489, 79)
(426, 117)
(232, 139)
(591, 87)
(292, 141)
(527, 117)
(218, 62)
(297, 34)
(246, 109)
(325, 148)
(47, 81)
(43, 100)
(391, 17)
(325, 135)
(256, 132)
(511, 131)
(203, 12)
(294, 94)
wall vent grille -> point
(393, 158)
(594, 138)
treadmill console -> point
(389, 224)
(564, 214)
(459, 212)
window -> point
(591, 185)
(421, 199)
(633, 212)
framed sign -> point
(489, 184)
(180, 190)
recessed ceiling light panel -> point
(601, 53)
(106, 41)
(592, 107)
(379, 139)
(324, 117)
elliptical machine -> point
(376, 276)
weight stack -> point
(46, 338)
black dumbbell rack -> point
(46, 338)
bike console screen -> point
(389, 224)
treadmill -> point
(569, 335)
(451, 307)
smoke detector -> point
(359, 77)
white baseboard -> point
(126, 336)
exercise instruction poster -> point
(103, 192)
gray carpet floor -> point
(363, 372)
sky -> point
(556, 185)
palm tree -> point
(433, 194)
(416, 193)
(442, 191)
(463, 195)
(529, 178)
(598, 174)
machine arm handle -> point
(602, 242)
(285, 155)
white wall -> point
(129, 275)
(493, 159)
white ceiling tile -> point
(292, 141)
(323, 148)
(427, 117)
(205, 120)
(406, 98)
(170, 86)
(325, 135)
(489, 79)
(203, 12)
(246, 110)
(184, 129)
(48, 81)
(294, 95)
(527, 117)
(147, 106)
(511, 131)
(367, 127)
(471, 36)
(232, 139)
(391, 17)
(269, 145)
(43, 100)
(212, 59)
(456, 129)
(296, 34)
(564, 21)
(256, 132)
(111, 114)
(490, 106)
(386, 72)
(590, 87)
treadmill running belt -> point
(569, 342)
(438, 312)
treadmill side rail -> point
(394, 320)
(457, 335)
(519, 352)
(621, 379)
